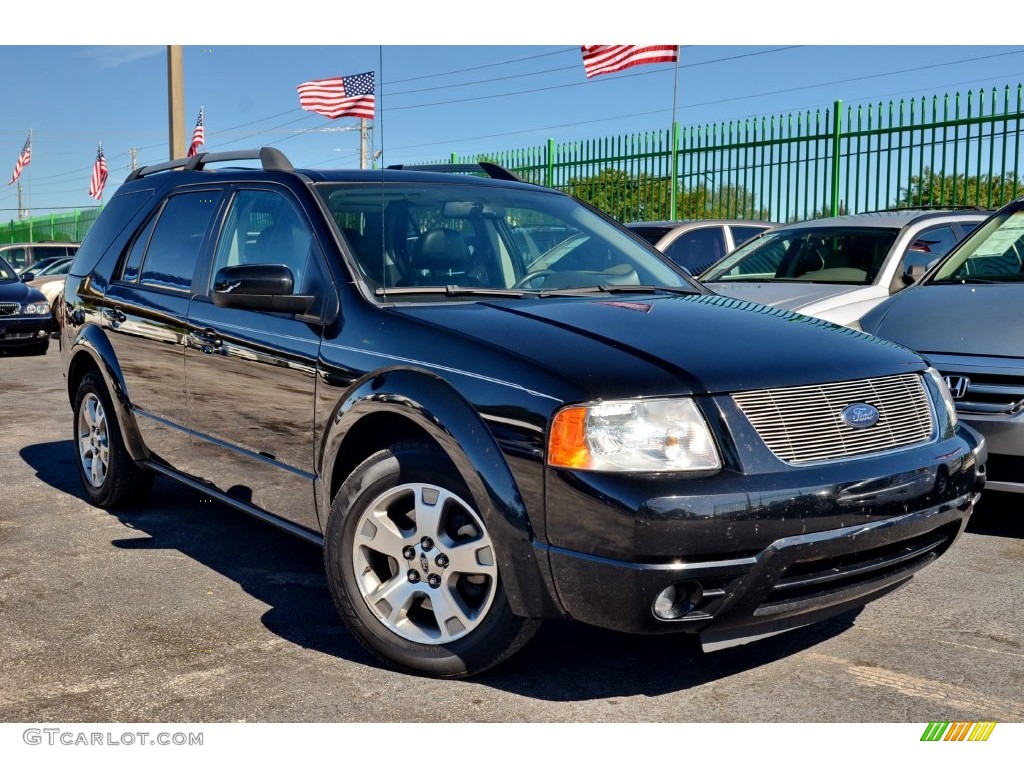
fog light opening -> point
(40, 334)
(677, 600)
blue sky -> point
(437, 92)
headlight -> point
(633, 436)
(943, 390)
(39, 308)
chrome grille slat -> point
(804, 424)
(9, 307)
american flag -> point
(198, 136)
(605, 59)
(338, 96)
(99, 175)
(23, 159)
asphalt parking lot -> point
(183, 610)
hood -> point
(19, 292)
(700, 344)
(961, 319)
(792, 296)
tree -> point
(938, 189)
(646, 198)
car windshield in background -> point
(844, 255)
(651, 234)
(7, 273)
(416, 239)
(993, 253)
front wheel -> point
(110, 476)
(413, 569)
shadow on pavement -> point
(566, 661)
(998, 514)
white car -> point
(839, 268)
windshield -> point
(827, 254)
(992, 253)
(410, 239)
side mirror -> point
(263, 287)
(27, 276)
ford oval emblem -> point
(860, 415)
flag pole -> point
(30, 139)
(674, 138)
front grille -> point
(9, 308)
(986, 392)
(802, 425)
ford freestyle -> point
(481, 437)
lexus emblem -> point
(957, 386)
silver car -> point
(697, 244)
(839, 268)
(965, 316)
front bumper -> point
(791, 557)
(23, 331)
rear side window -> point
(111, 223)
(698, 249)
(177, 239)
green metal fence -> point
(68, 226)
(953, 150)
(950, 151)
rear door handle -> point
(114, 315)
(207, 340)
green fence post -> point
(836, 154)
(550, 181)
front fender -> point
(439, 410)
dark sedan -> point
(25, 319)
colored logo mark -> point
(958, 731)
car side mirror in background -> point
(263, 287)
(27, 276)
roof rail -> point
(493, 170)
(272, 160)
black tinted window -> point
(174, 247)
(740, 235)
(698, 249)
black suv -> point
(480, 437)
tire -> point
(110, 477)
(404, 598)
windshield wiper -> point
(615, 288)
(448, 290)
(968, 281)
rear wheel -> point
(110, 476)
(413, 568)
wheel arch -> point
(395, 405)
(92, 351)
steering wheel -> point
(526, 280)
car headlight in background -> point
(668, 435)
(943, 390)
(37, 308)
